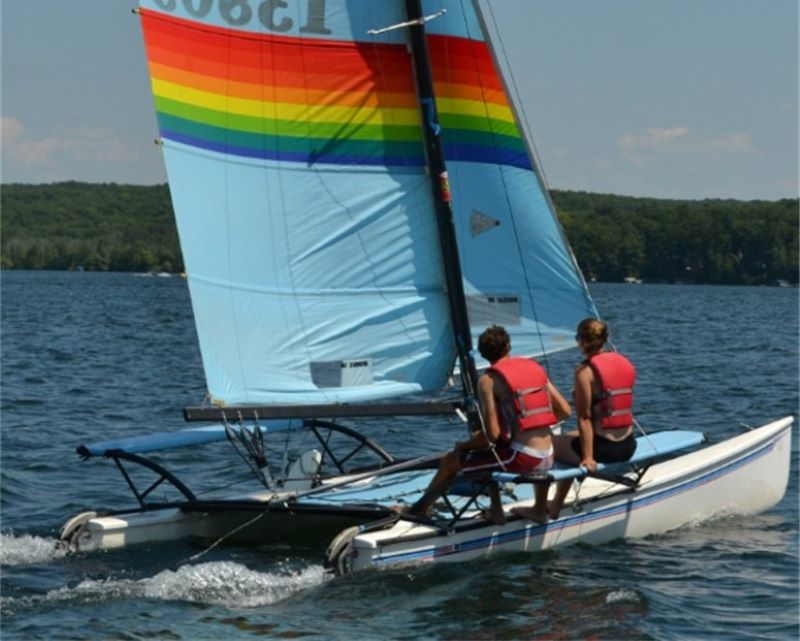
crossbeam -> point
(341, 410)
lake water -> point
(87, 357)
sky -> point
(660, 98)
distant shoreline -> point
(183, 276)
(130, 228)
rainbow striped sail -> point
(293, 144)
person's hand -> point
(590, 464)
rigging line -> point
(638, 425)
(260, 454)
(396, 467)
(492, 444)
(285, 456)
(644, 433)
(408, 23)
(232, 436)
(538, 168)
(502, 174)
(225, 536)
(218, 488)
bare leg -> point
(496, 514)
(562, 449)
(448, 468)
(538, 512)
(562, 446)
(562, 489)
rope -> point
(645, 434)
(194, 557)
(285, 457)
(252, 448)
(539, 170)
(492, 444)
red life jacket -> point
(527, 381)
(613, 407)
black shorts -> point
(606, 451)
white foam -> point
(218, 583)
(622, 596)
(230, 584)
(28, 550)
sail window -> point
(350, 373)
(490, 309)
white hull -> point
(746, 474)
(258, 517)
(172, 524)
(89, 531)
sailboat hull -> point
(743, 475)
(174, 524)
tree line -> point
(111, 227)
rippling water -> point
(92, 356)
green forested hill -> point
(705, 241)
(101, 227)
(131, 228)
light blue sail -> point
(296, 169)
(292, 140)
(518, 269)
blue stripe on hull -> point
(568, 522)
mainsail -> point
(292, 140)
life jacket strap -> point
(538, 410)
(529, 390)
(617, 392)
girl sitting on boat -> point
(604, 406)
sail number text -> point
(271, 13)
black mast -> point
(441, 198)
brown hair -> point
(494, 343)
(593, 334)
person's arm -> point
(560, 405)
(583, 409)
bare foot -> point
(552, 511)
(496, 516)
(532, 513)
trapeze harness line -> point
(612, 408)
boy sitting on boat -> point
(519, 405)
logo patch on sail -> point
(480, 222)
(350, 373)
(489, 309)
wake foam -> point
(622, 596)
(229, 584)
(27, 549)
(222, 583)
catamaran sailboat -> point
(357, 198)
